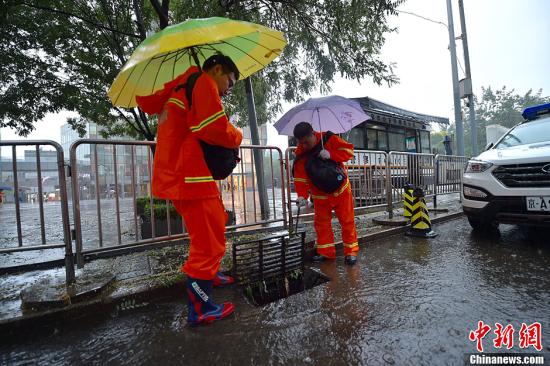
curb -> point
(97, 308)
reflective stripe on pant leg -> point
(205, 223)
(322, 222)
(343, 206)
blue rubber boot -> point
(222, 280)
(201, 307)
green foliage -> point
(437, 141)
(143, 207)
(141, 202)
(502, 107)
(68, 59)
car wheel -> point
(482, 225)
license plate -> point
(540, 203)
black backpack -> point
(327, 175)
(220, 160)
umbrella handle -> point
(321, 127)
(195, 57)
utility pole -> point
(258, 154)
(468, 80)
(454, 71)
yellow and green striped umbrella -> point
(168, 53)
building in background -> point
(28, 178)
(391, 129)
(96, 163)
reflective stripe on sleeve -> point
(207, 121)
(177, 102)
(204, 179)
(344, 149)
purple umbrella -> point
(333, 113)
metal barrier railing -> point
(59, 195)
(377, 178)
(113, 206)
(414, 168)
(367, 176)
(448, 174)
(124, 219)
(245, 204)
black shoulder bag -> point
(327, 175)
(220, 160)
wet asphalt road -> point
(408, 301)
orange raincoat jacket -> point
(340, 151)
(340, 201)
(179, 169)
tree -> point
(502, 107)
(63, 55)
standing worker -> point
(341, 200)
(181, 174)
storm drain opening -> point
(272, 268)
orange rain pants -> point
(205, 222)
(343, 207)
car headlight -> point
(475, 193)
(477, 166)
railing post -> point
(289, 191)
(283, 188)
(436, 179)
(69, 261)
(389, 186)
(76, 204)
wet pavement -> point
(408, 301)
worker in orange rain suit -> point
(341, 201)
(181, 174)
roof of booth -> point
(373, 105)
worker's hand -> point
(324, 154)
(301, 202)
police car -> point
(510, 181)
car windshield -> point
(527, 133)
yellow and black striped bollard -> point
(421, 226)
(408, 200)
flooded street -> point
(408, 301)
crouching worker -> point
(190, 114)
(319, 169)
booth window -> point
(425, 141)
(396, 139)
(376, 137)
(357, 137)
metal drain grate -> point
(264, 258)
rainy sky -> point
(508, 46)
